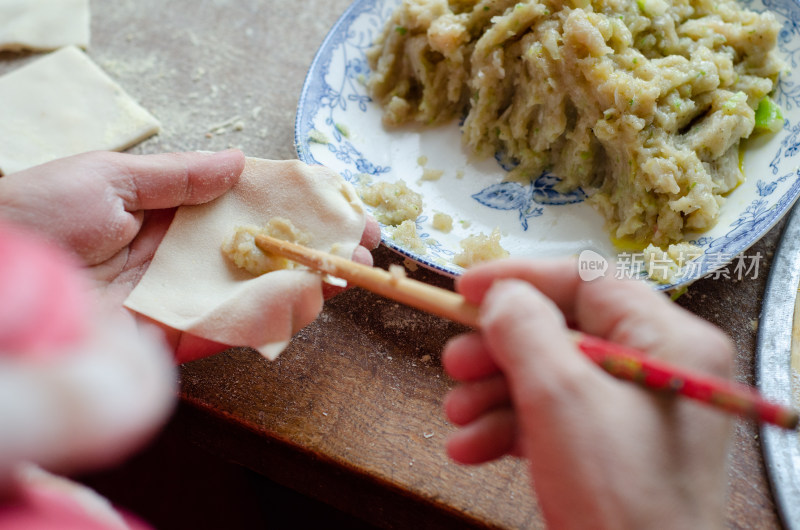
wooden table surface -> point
(351, 411)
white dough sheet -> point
(64, 104)
(43, 24)
(192, 286)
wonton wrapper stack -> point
(192, 286)
(43, 24)
(64, 104)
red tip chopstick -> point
(632, 365)
(618, 360)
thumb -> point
(167, 180)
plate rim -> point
(780, 448)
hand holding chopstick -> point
(620, 361)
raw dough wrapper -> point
(192, 286)
(43, 24)
(64, 104)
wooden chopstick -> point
(618, 360)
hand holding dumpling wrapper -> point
(192, 286)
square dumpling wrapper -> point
(193, 287)
(63, 104)
(44, 24)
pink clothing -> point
(44, 301)
(40, 507)
(44, 309)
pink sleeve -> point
(45, 295)
(56, 504)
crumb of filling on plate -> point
(442, 222)
(666, 266)
(429, 174)
(405, 235)
(642, 102)
(479, 248)
(318, 137)
(240, 247)
(393, 202)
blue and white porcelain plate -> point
(338, 125)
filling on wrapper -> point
(240, 247)
(644, 102)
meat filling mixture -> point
(240, 247)
(642, 103)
